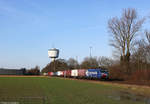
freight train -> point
(81, 73)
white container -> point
(45, 74)
(58, 73)
(61, 73)
(74, 73)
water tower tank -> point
(53, 53)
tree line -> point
(32, 71)
(71, 63)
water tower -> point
(53, 54)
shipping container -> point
(58, 73)
(45, 74)
(61, 73)
(55, 73)
(93, 73)
(81, 73)
(68, 73)
(74, 73)
(50, 73)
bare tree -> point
(60, 65)
(105, 62)
(118, 41)
(148, 45)
(72, 63)
(141, 55)
(124, 31)
(89, 62)
(148, 36)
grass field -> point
(64, 91)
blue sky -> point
(28, 28)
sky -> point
(28, 28)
